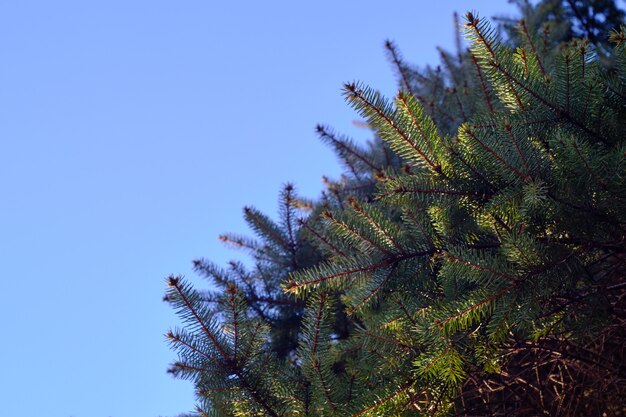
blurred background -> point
(132, 133)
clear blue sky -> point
(131, 134)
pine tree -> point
(472, 259)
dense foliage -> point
(472, 259)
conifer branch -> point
(473, 135)
(567, 82)
(482, 83)
(353, 231)
(435, 360)
(450, 67)
(559, 112)
(509, 130)
(382, 401)
(455, 93)
(511, 78)
(457, 36)
(546, 33)
(273, 301)
(405, 311)
(425, 234)
(288, 213)
(318, 321)
(524, 58)
(350, 388)
(252, 339)
(439, 109)
(585, 209)
(437, 191)
(524, 27)
(479, 304)
(256, 395)
(583, 59)
(401, 346)
(616, 92)
(357, 95)
(177, 339)
(239, 242)
(397, 61)
(201, 412)
(174, 283)
(587, 99)
(235, 313)
(375, 225)
(178, 366)
(250, 213)
(229, 364)
(321, 238)
(324, 133)
(502, 223)
(292, 285)
(208, 391)
(208, 270)
(471, 167)
(454, 258)
(403, 101)
(435, 83)
(315, 359)
(482, 39)
(593, 175)
(373, 291)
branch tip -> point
(173, 281)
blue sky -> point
(132, 133)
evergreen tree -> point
(472, 259)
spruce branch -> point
(424, 125)
(354, 231)
(405, 311)
(315, 359)
(480, 267)
(524, 30)
(475, 306)
(509, 130)
(471, 134)
(386, 399)
(226, 361)
(454, 92)
(314, 232)
(344, 146)
(384, 230)
(457, 36)
(177, 339)
(486, 43)
(288, 216)
(298, 281)
(191, 308)
(266, 228)
(396, 60)
(482, 83)
(451, 69)
(356, 306)
(411, 216)
(381, 115)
